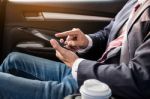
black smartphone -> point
(38, 34)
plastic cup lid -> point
(94, 87)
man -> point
(124, 63)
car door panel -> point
(51, 17)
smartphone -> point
(38, 34)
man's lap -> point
(43, 69)
(54, 76)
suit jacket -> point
(126, 71)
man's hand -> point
(67, 56)
(75, 40)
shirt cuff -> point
(75, 67)
(88, 47)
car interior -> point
(49, 17)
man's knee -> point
(14, 56)
(12, 59)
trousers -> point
(24, 76)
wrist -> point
(88, 46)
(74, 61)
(76, 64)
(86, 43)
(71, 61)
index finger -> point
(65, 34)
(57, 46)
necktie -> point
(119, 40)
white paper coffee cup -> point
(94, 89)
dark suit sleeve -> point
(125, 80)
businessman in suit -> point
(123, 48)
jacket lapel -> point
(137, 15)
(121, 18)
(125, 53)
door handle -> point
(33, 16)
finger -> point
(67, 33)
(70, 48)
(58, 55)
(57, 47)
(69, 38)
(75, 29)
(72, 43)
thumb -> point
(56, 46)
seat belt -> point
(2, 22)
